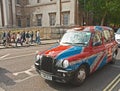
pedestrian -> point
(23, 36)
(13, 37)
(18, 39)
(8, 38)
(27, 35)
(4, 38)
(38, 37)
(31, 36)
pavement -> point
(43, 42)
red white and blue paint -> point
(94, 56)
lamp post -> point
(84, 23)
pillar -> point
(0, 14)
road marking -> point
(26, 71)
(18, 56)
(19, 81)
(4, 56)
(116, 66)
(113, 84)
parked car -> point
(80, 52)
(117, 36)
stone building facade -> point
(42, 13)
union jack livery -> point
(80, 52)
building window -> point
(65, 18)
(19, 22)
(17, 1)
(52, 19)
(38, 1)
(28, 22)
(39, 19)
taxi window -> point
(97, 39)
(107, 35)
(112, 34)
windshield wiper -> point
(67, 43)
(80, 43)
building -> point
(43, 13)
(7, 13)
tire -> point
(80, 75)
(113, 58)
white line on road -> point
(18, 81)
(112, 84)
(18, 56)
(116, 66)
(26, 71)
(4, 56)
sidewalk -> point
(43, 42)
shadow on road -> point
(4, 79)
(92, 83)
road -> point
(17, 73)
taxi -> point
(80, 52)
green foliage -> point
(106, 10)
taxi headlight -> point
(38, 57)
(65, 63)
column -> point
(58, 11)
(5, 12)
(72, 12)
(0, 15)
(13, 13)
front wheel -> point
(80, 76)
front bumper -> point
(59, 75)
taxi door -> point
(98, 49)
(108, 44)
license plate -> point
(46, 76)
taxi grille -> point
(47, 64)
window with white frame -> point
(39, 19)
(65, 18)
(52, 19)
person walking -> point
(4, 38)
(8, 35)
(31, 36)
(23, 36)
(18, 39)
(38, 37)
(27, 35)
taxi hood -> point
(62, 52)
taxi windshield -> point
(76, 37)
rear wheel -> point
(80, 76)
(113, 58)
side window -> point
(97, 39)
(107, 35)
(112, 34)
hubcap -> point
(81, 74)
(114, 55)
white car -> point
(117, 36)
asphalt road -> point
(17, 73)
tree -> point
(104, 11)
